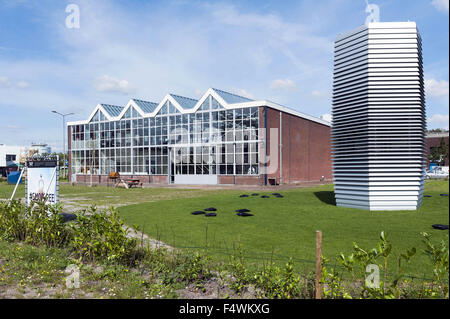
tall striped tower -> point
(378, 131)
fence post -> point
(318, 264)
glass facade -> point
(213, 140)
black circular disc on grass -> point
(210, 214)
(276, 194)
(244, 214)
(264, 196)
(242, 210)
(210, 209)
(198, 212)
(444, 194)
(255, 194)
(243, 195)
(426, 195)
(439, 226)
(279, 196)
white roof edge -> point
(210, 91)
(376, 25)
(137, 107)
(293, 112)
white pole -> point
(17, 184)
(51, 180)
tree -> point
(439, 154)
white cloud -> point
(107, 83)
(439, 121)
(22, 85)
(4, 82)
(103, 61)
(436, 88)
(441, 5)
(284, 84)
(199, 93)
(319, 94)
(275, 28)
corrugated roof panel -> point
(231, 98)
(146, 107)
(185, 102)
(113, 110)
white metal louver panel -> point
(378, 131)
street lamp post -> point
(64, 138)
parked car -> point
(437, 173)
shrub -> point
(93, 235)
(194, 267)
(102, 234)
(12, 221)
(37, 224)
(438, 253)
(278, 283)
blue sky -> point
(276, 50)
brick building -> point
(222, 138)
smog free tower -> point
(378, 128)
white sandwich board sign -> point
(42, 180)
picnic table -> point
(128, 183)
(133, 182)
(124, 182)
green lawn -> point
(105, 196)
(285, 227)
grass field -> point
(280, 228)
(105, 196)
(285, 227)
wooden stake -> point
(318, 264)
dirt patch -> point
(146, 240)
(215, 288)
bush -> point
(278, 283)
(12, 221)
(99, 235)
(37, 224)
(93, 235)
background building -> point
(12, 156)
(219, 139)
(379, 117)
(434, 140)
(9, 158)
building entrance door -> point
(195, 165)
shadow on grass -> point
(326, 197)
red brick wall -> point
(249, 180)
(159, 179)
(226, 179)
(306, 148)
